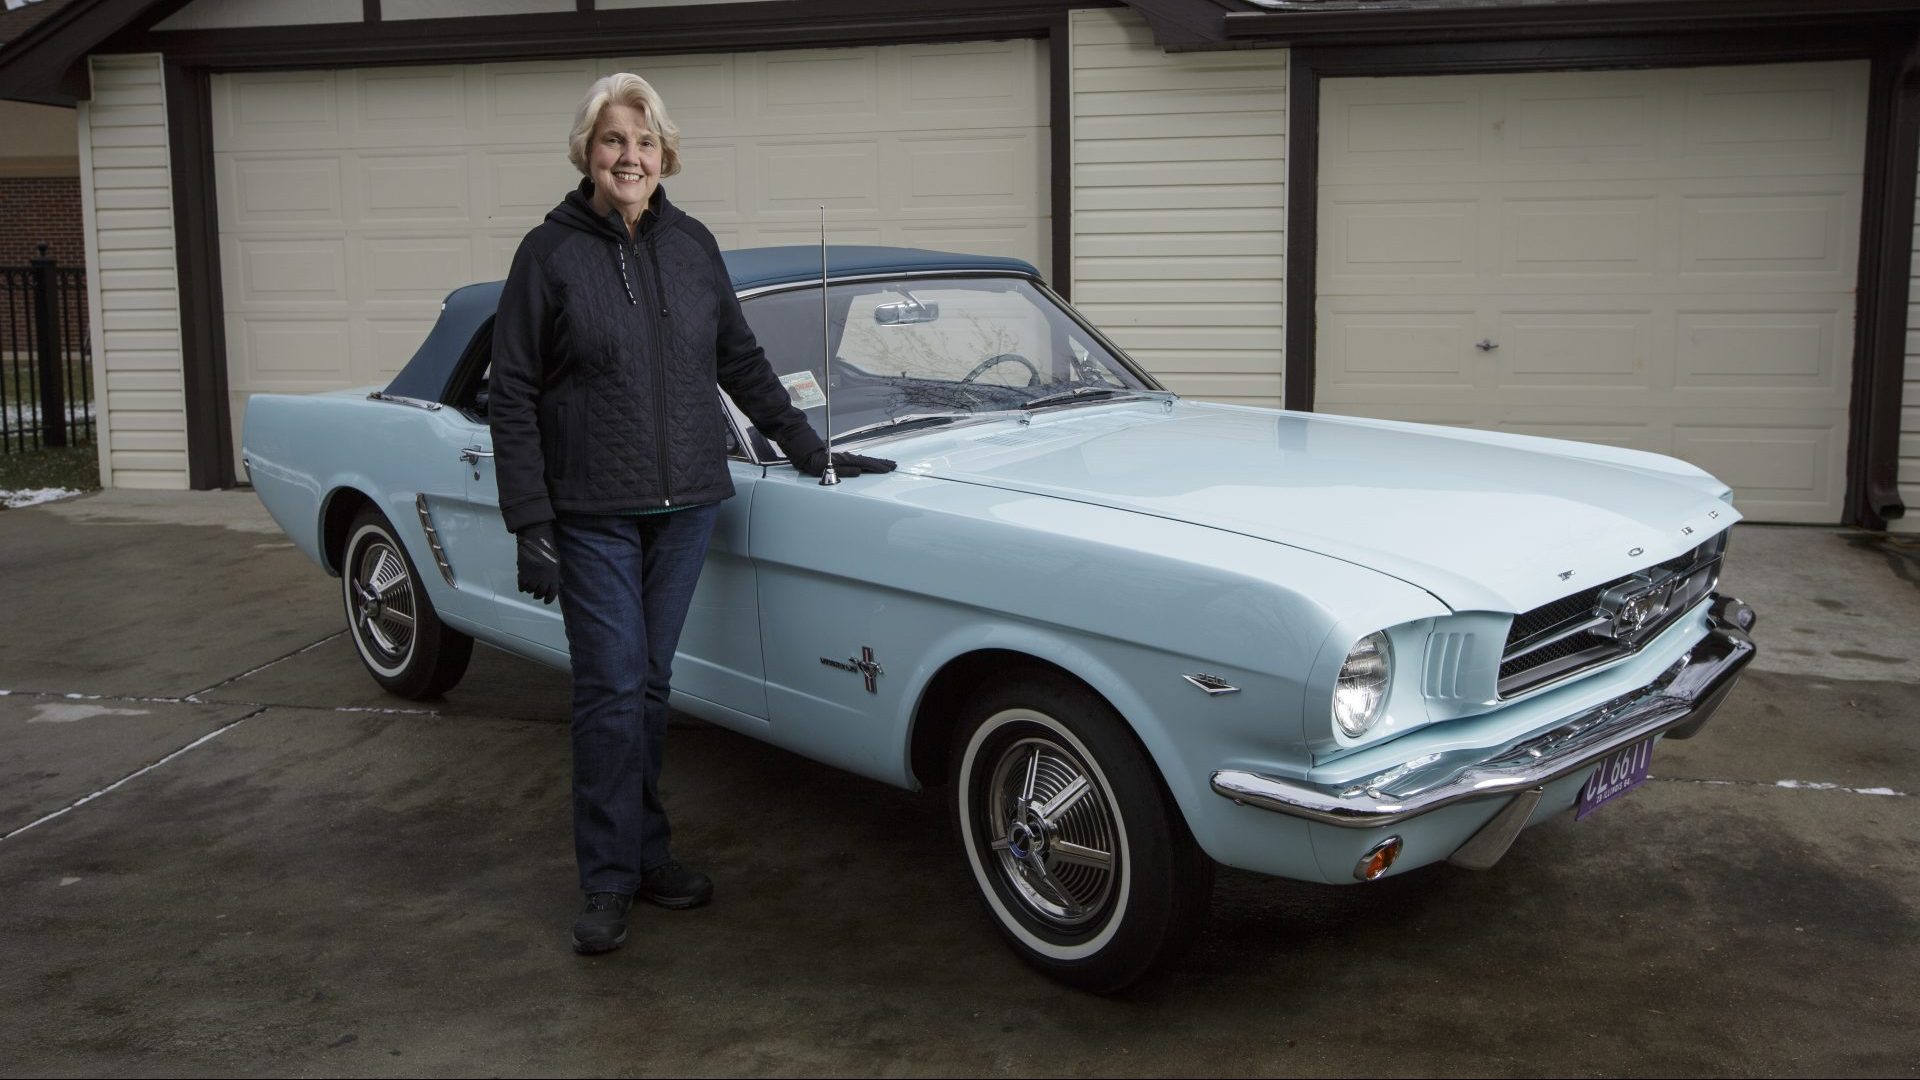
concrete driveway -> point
(223, 851)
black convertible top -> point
(467, 308)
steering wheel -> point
(991, 362)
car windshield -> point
(915, 352)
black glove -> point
(539, 562)
(844, 465)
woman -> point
(616, 321)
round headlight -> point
(1361, 689)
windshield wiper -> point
(1045, 400)
(909, 421)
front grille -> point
(1579, 631)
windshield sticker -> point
(803, 390)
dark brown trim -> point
(1880, 326)
(370, 10)
(1886, 219)
(574, 34)
(196, 234)
(1303, 231)
(1186, 24)
(47, 64)
(1444, 22)
(1060, 138)
(583, 5)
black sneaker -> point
(674, 886)
(603, 926)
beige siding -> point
(1179, 206)
(127, 191)
(224, 14)
(1910, 401)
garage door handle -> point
(1486, 346)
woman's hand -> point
(844, 465)
(539, 561)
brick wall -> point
(41, 210)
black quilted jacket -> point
(606, 351)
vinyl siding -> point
(1910, 400)
(133, 289)
(1179, 205)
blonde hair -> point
(635, 93)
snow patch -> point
(1821, 785)
(25, 497)
(54, 712)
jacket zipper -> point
(659, 372)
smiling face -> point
(623, 158)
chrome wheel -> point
(381, 604)
(1053, 828)
(390, 614)
(1079, 852)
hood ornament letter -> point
(828, 477)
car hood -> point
(1483, 521)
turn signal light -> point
(1377, 859)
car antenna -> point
(828, 477)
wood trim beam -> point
(196, 237)
(1060, 138)
(596, 32)
(1884, 278)
(1453, 22)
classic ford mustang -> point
(1132, 635)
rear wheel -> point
(1080, 855)
(399, 637)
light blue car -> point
(1131, 635)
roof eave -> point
(47, 64)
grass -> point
(76, 467)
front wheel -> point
(399, 637)
(1080, 854)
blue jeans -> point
(625, 586)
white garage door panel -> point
(352, 201)
(1660, 259)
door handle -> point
(1486, 345)
(472, 454)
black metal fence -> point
(46, 357)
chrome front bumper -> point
(1676, 704)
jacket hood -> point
(576, 212)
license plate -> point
(1619, 773)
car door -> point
(718, 660)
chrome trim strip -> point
(433, 538)
(811, 283)
(418, 403)
(1679, 701)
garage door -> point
(1656, 259)
(352, 201)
